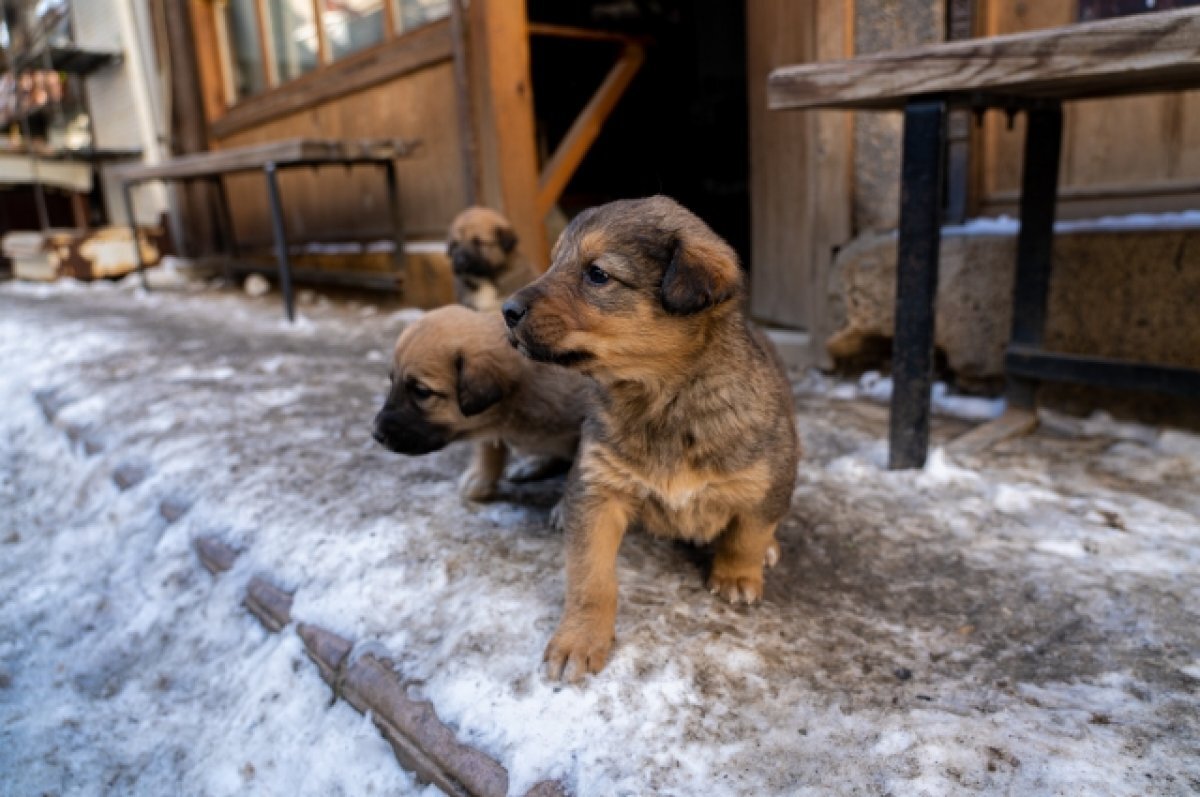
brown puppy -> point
(487, 266)
(455, 377)
(693, 434)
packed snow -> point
(1022, 622)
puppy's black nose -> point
(514, 310)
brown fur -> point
(693, 435)
(480, 390)
(488, 266)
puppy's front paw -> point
(475, 486)
(736, 587)
(576, 650)
(771, 557)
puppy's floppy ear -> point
(482, 382)
(507, 239)
(703, 272)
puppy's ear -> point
(481, 383)
(703, 272)
(507, 239)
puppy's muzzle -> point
(398, 432)
(515, 309)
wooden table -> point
(270, 158)
(1029, 72)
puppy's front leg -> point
(742, 550)
(595, 527)
(478, 482)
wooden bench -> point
(1032, 73)
(270, 158)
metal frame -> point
(271, 171)
(1026, 363)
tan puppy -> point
(455, 377)
(488, 268)
(693, 434)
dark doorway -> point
(681, 128)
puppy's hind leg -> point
(478, 482)
(742, 550)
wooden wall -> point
(800, 166)
(1139, 154)
(332, 204)
(402, 89)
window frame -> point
(327, 66)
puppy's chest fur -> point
(688, 470)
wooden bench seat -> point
(1031, 72)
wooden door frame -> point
(799, 226)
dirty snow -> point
(1020, 623)
(1133, 222)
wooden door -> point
(800, 167)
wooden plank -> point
(504, 40)
(204, 33)
(463, 109)
(282, 153)
(800, 168)
(1128, 55)
(423, 48)
(349, 206)
(586, 127)
(189, 126)
(831, 179)
(1014, 422)
(584, 34)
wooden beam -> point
(512, 157)
(266, 44)
(324, 55)
(1137, 54)
(464, 112)
(208, 59)
(583, 34)
(586, 127)
(189, 128)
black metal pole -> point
(1035, 241)
(397, 218)
(281, 244)
(916, 281)
(127, 192)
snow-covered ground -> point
(1025, 622)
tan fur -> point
(458, 353)
(488, 266)
(693, 436)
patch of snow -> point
(874, 386)
(1134, 222)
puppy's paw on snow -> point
(577, 651)
(476, 486)
(737, 587)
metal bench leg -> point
(1035, 241)
(281, 244)
(916, 282)
(393, 190)
(127, 192)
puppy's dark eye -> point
(596, 275)
(419, 391)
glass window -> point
(294, 44)
(352, 25)
(244, 62)
(411, 14)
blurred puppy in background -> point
(488, 267)
(455, 377)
